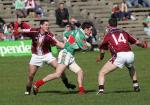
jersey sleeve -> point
(29, 32)
(51, 39)
(131, 39)
(81, 41)
(83, 44)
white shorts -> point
(123, 59)
(38, 60)
(68, 59)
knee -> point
(102, 73)
(80, 72)
(58, 75)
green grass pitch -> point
(118, 87)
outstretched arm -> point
(102, 47)
(141, 44)
(101, 56)
(59, 44)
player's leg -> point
(76, 69)
(133, 76)
(107, 68)
(31, 73)
(51, 60)
(59, 70)
(35, 62)
(63, 76)
(130, 65)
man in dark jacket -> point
(62, 15)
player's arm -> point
(141, 44)
(101, 56)
(83, 44)
(59, 44)
(102, 47)
(137, 42)
(55, 42)
(28, 32)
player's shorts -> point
(38, 60)
(123, 59)
(68, 59)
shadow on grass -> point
(65, 92)
(120, 91)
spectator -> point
(52, 1)
(30, 6)
(137, 3)
(19, 24)
(120, 12)
(8, 31)
(147, 25)
(144, 3)
(65, 33)
(2, 25)
(132, 3)
(20, 8)
(124, 10)
(92, 39)
(62, 15)
(38, 10)
(74, 23)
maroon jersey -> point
(41, 43)
(117, 41)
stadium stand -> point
(98, 11)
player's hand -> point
(88, 45)
(101, 57)
(98, 59)
(145, 45)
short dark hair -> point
(61, 3)
(87, 24)
(112, 22)
(43, 21)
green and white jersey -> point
(66, 34)
(76, 39)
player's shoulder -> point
(50, 35)
(117, 31)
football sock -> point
(101, 88)
(65, 81)
(28, 89)
(39, 83)
(136, 86)
(135, 83)
(81, 90)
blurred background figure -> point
(65, 33)
(138, 3)
(120, 12)
(75, 24)
(62, 15)
(20, 8)
(2, 25)
(92, 39)
(30, 6)
(19, 25)
(8, 31)
(146, 24)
